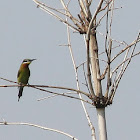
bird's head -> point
(27, 61)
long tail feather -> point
(20, 92)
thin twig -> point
(83, 8)
(128, 46)
(38, 126)
(117, 41)
(120, 76)
(61, 94)
(78, 85)
(69, 14)
(117, 67)
(109, 69)
(85, 78)
(106, 6)
(109, 50)
(41, 6)
(93, 18)
(44, 98)
(88, 70)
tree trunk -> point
(95, 73)
(102, 123)
(95, 68)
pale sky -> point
(28, 32)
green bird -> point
(23, 75)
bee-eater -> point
(23, 75)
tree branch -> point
(78, 85)
(44, 8)
(123, 71)
(38, 126)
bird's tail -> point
(20, 92)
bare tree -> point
(105, 64)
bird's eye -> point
(25, 60)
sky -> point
(28, 32)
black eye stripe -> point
(28, 60)
(25, 60)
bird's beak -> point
(32, 60)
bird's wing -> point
(18, 73)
